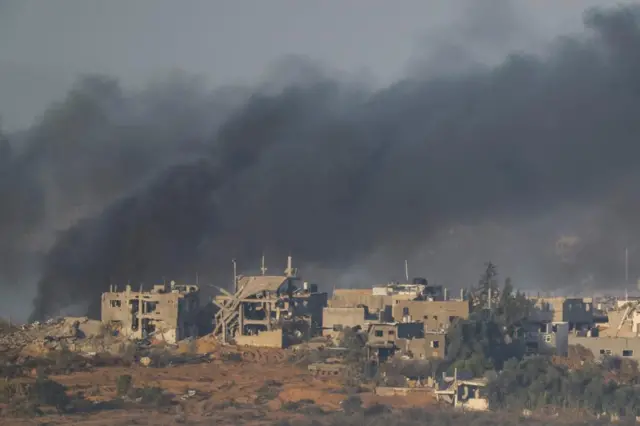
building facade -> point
(166, 312)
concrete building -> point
(166, 312)
(270, 310)
(575, 311)
(609, 346)
(468, 395)
(546, 338)
(409, 339)
(436, 315)
(379, 298)
(335, 320)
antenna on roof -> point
(289, 272)
(235, 275)
(406, 270)
(263, 268)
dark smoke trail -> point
(489, 163)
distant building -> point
(166, 312)
(270, 310)
(394, 302)
(578, 313)
(546, 338)
(408, 339)
(436, 315)
(623, 347)
(468, 395)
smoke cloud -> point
(446, 169)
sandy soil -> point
(227, 392)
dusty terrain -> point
(239, 386)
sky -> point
(46, 45)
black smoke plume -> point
(448, 171)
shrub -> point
(124, 384)
(352, 404)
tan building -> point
(468, 395)
(270, 310)
(609, 346)
(437, 316)
(410, 339)
(353, 298)
(575, 311)
(166, 312)
(546, 338)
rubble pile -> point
(57, 333)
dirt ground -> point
(254, 391)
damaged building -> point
(436, 315)
(167, 312)
(411, 340)
(577, 312)
(269, 310)
(548, 338)
(393, 302)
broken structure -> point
(547, 338)
(406, 339)
(167, 312)
(417, 301)
(269, 310)
(577, 312)
(468, 395)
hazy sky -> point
(46, 44)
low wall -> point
(390, 391)
(266, 339)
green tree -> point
(479, 295)
(479, 344)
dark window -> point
(435, 344)
(392, 332)
(379, 333)
(627, 352)
(115, 303)
(405, 312)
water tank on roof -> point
(420, 281)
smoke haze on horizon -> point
(455, 165)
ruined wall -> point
(265, 339)
(316, 303)
(171, 316)
(419, 344)
(556, 340)
(430, 346)
(347, 300)
(435, 315)
(344, 317)
(571, 310)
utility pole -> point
(626, 266)
(263, 268)
(406, 270)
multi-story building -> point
(270, 310)
(168, 312)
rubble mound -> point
(40, 337)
